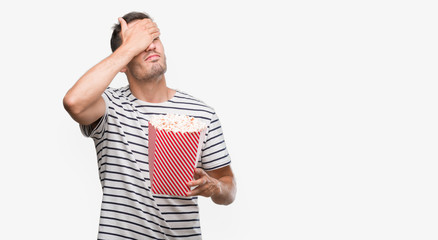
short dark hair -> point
(116, 40)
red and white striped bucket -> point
(173, 157)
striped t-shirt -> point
(129, 210)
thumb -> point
(199, 173)
(123, 24)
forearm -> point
(88, 89)
(226, 192)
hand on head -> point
(138, 35)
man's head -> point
(148, 64)
(116, 39)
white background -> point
(329, 110)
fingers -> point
(206, 190)
(154, 32)
(144, 24)
(148, 26)
(153, 29)
(197, 182)
(199, 173)
(200, 177)
(205, 185)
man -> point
(117, 121)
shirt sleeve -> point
(99, 130)
(214, 153)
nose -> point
(151, 47)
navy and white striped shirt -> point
(129, 210)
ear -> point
(123, 70)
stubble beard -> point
(155, 72)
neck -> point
(153, 91)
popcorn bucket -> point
(173, 156)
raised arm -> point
(84, 100)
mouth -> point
(152, 57)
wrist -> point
(126, 52)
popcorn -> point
(177, 123)
(175, 143)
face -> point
(149, 64)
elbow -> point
(225, 201)
(227, 197)
(71, 105)
(232, 197)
